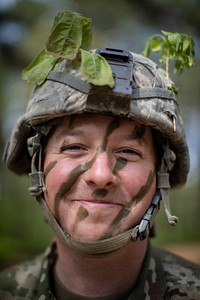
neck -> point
(101, 275)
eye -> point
(72, 147)
(76, 148)
(128, 153)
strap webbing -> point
(89, 248)
(68, 79)
(152, 92)
(85, 87)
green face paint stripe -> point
(66, 186)
(114, 124)
(100, 193)
(81, 215)
(50, 167)
(120, 164)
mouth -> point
(98, 203)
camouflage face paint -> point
(114, 124)
(81, 215)
(66, 186)
(138, 133)
(71, 121)
(120, 164)
(144, 189)
(50, 167)
(124, 212)
(100, 193)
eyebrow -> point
(141, 141)
(69, 132)
(130, 137)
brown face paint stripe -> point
(66, 186)
(100, 193)
(144, 189)
(122, 214)
(139, 132)
(50, 167)
(71, 121)
(81, 215)
(125, 211)
(114, 124)
(120, 164)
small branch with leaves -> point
(172, 46)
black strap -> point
(156, 92)
(85, 87)
(72, 81)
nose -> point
(100, 174)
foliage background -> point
(24, 27)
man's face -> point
(100, 175)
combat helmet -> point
(140, 93)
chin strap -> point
(163, 184)
(89, 248)
(106, 245)
(114, 243)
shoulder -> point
(182, 276)
(21, 280)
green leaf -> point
(39, 68)
(174, 39)
(186, 44)
(66, 35)
(147, 49)
(86, 34)
(157, 45)
(96, 69)
(190, 61)
(166, 33)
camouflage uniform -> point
(163, 276)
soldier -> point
(100, 160)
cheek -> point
(133, 178)
(139, 205)
(55, 173)
(141, 192)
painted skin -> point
(100, 175)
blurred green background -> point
(24, 27)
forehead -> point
(92, 121)
(87, 124)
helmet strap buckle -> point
(168, 161)
(36, 175)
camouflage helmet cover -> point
(65, 92)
